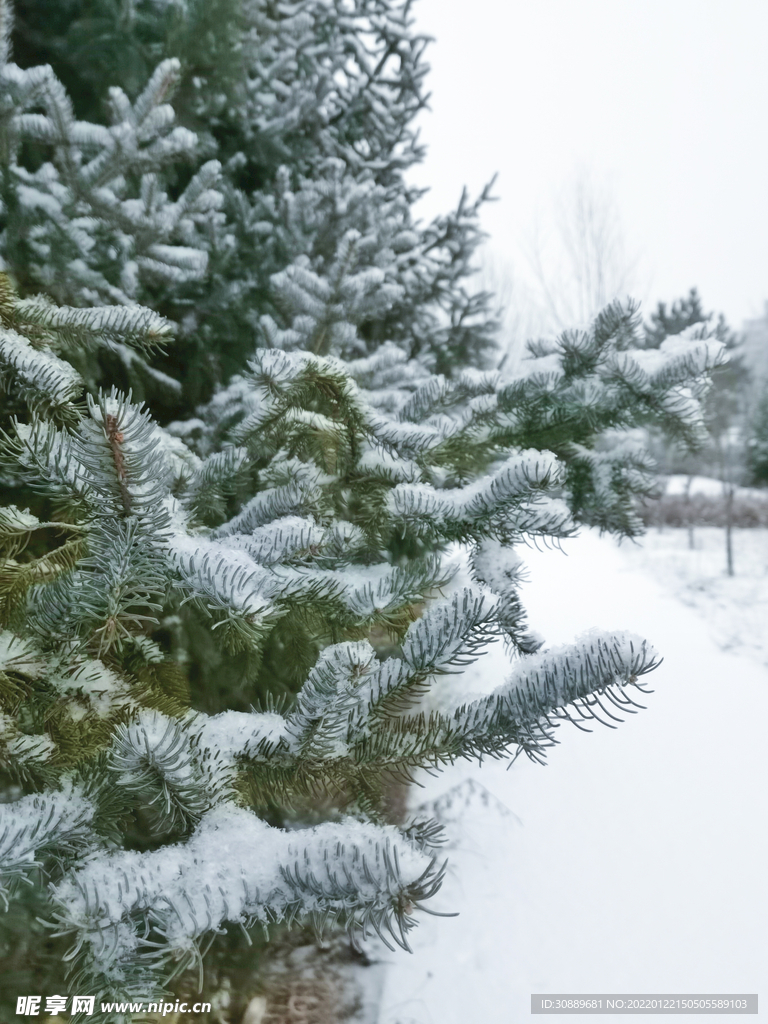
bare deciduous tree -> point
(579, 262)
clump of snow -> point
(497, 564)
(153, 740)
(34, 822)
(21, 746)
(236, 868)
(223, 576)
(686, 345)
(377, 461)
(35, 368)
(232, 734)
(100, 687)
(17, 655)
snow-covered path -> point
(636, 861)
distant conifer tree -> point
(724, 455)
(757, 441)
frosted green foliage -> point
(311, 117)
(27, 753)
(352, 871)
(116, 461)
(314, 137)
(153, 757)
(502, 569)
(416, 278)
(59, 212)
(301, 523)
(38, 374)
(36, 826)
(331, 79)
(583, 682)
(342, 252)
(350, 712)
(251, 67)
(580, 397)
(326, 310)
(484, 507)
(33, 333)
(92, 222)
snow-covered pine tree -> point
(757, 440)
(315, 532)
(725, 453)
(86, 216)
(309, 107)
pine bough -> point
(93, 223)
(327, 508)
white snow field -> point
(636, 861)
(735, 607)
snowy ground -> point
(735, 608)
(635, 862)
(678, 483)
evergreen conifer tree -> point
(726, 403)
(723, 456)
(683, 313)
(308, 106)
(757, 441)
(304, 522)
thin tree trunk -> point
(729, 487)
(729, 528)
(688, 513)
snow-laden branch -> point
(511, 501)
(38, 825)
(582, 682)
(130, 906)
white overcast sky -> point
(663, 100)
